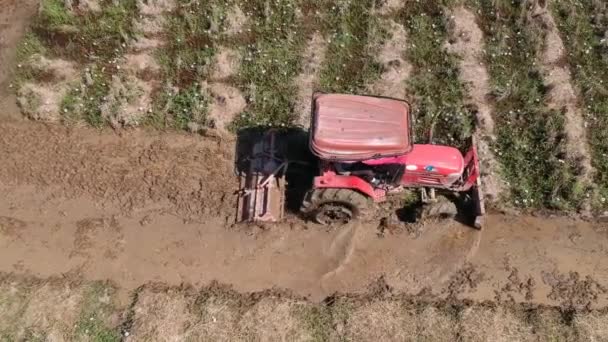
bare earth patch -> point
(467, 41)
(307, 80)
(227, 62)
(14, 18)
(127, 102)
(141, 63)
(84, 5)
(562, 94)
(41, 100)
(155, 7)
(236, 20)
(388, 6)
(226, 103)
(396, 68)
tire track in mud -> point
(467, 41)
(185, 175)
(563, 95)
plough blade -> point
(262, 185)
(262, 198)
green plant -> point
(437, 92)
(53, 15)
(89, 35)
(84, 101)
(28, 47)
(270, 63)
(186, 106)
(96, 308)
(350, 65)
(583, 26)
(531, 140)
(192, 32)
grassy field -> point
(531, 141)
(584, 25)
(36, 310)
(168, 68)
(438, 95)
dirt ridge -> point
(396, 68)
(467, 41)
(307, 80)
(563, 95)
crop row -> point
(584, 28)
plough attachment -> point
(261, 196)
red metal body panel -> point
(352, 127)
(330, 179)
(471, 175)
(427, 165)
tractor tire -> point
(442, 209)
(335, 206)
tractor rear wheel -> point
(335, 206)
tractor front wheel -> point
(335, 206)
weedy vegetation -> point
(270, 62)
(96, 308)
(437, 93)
(584, 28)
(192, 34)
(353, 33)
(28, 311)
(92, 39)
(531, 139)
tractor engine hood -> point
(438, 159)
(428, 159)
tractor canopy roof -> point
(354, 127)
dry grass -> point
(380, 320)
(592, 327)
(60, 310)
(163, 316)
(273, 319)
(55, 310)
(493, 324)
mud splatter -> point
(11, 227)
(515, 285)
(465, 280)
(573, 292)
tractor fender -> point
(332, 180)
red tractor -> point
(364, 150)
